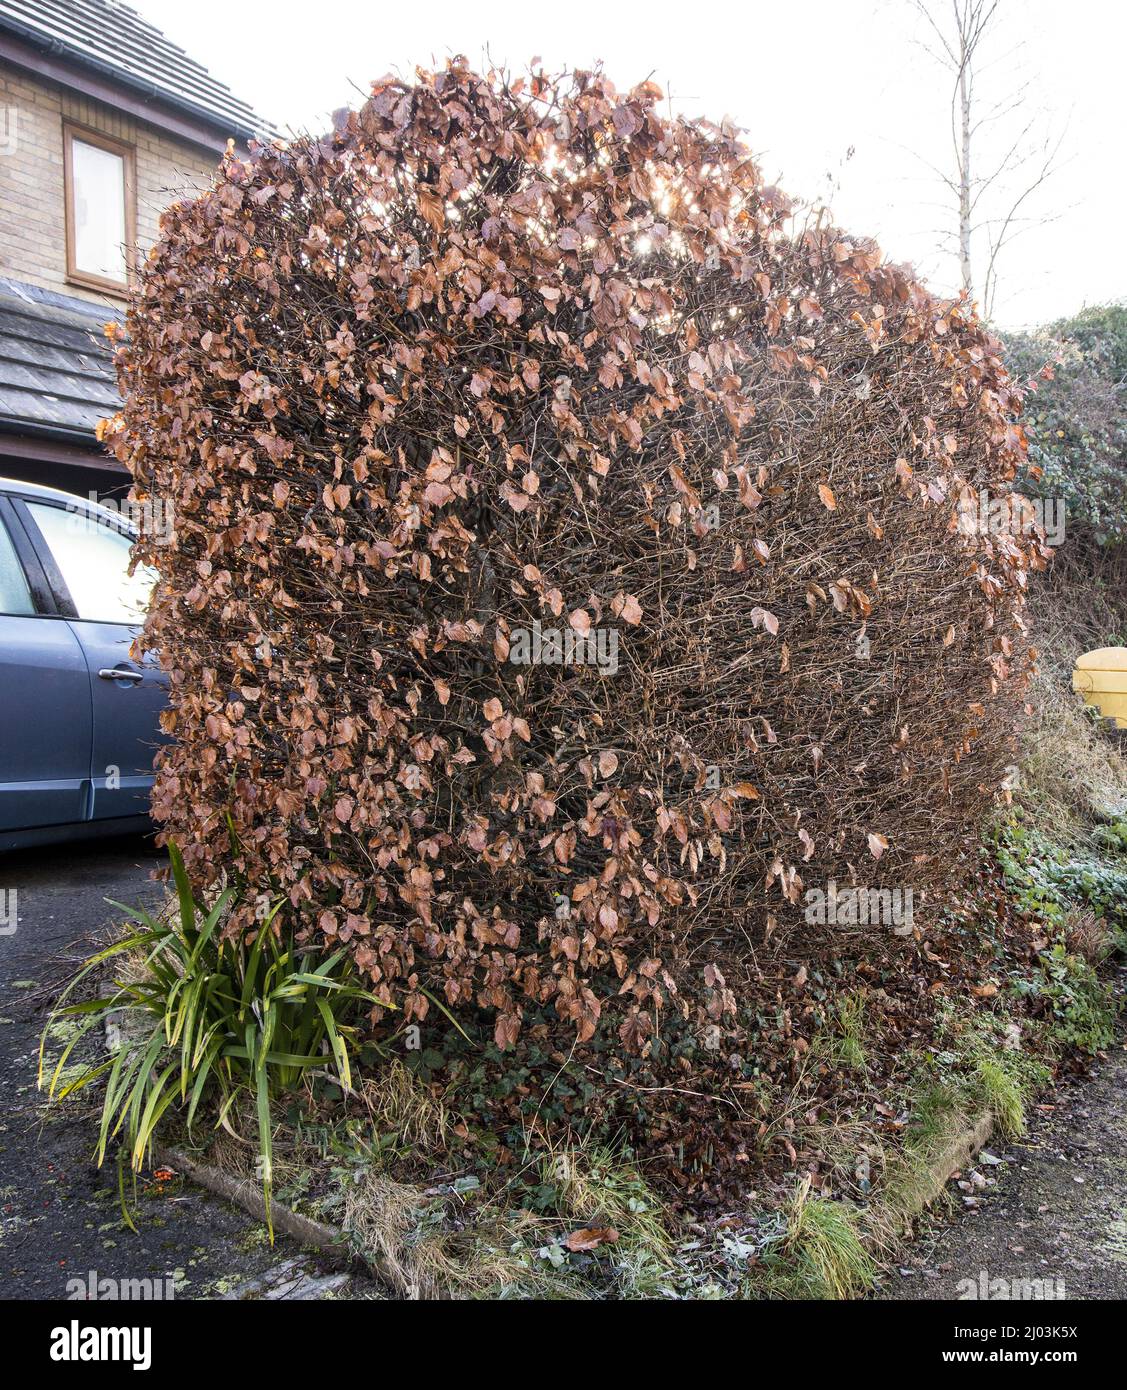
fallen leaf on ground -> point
(591, 1238)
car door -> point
(86, 559)
(45, 713)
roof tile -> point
(114, 39)
(56, 365)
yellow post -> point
(1101, 677)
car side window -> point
(94, 561)
(15, 596)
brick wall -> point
(32, 217)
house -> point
(103, 123)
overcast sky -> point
(836, 96)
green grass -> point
(844, 1043)
(1002, 1093)
(917, 1174)
(822, 1255)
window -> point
(94, 562)
(15, 596)
(100, 210)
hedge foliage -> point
(1076, 416)
(505, 371)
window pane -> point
(99, 210)
(15, 597)
(94, 560)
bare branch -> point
(992, 129)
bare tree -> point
(1004, 146)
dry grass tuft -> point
(1087, 935)
(430, 1247)
(823, 1255)
(397, 1101)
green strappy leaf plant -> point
(204, 1015)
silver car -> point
(79, 717)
